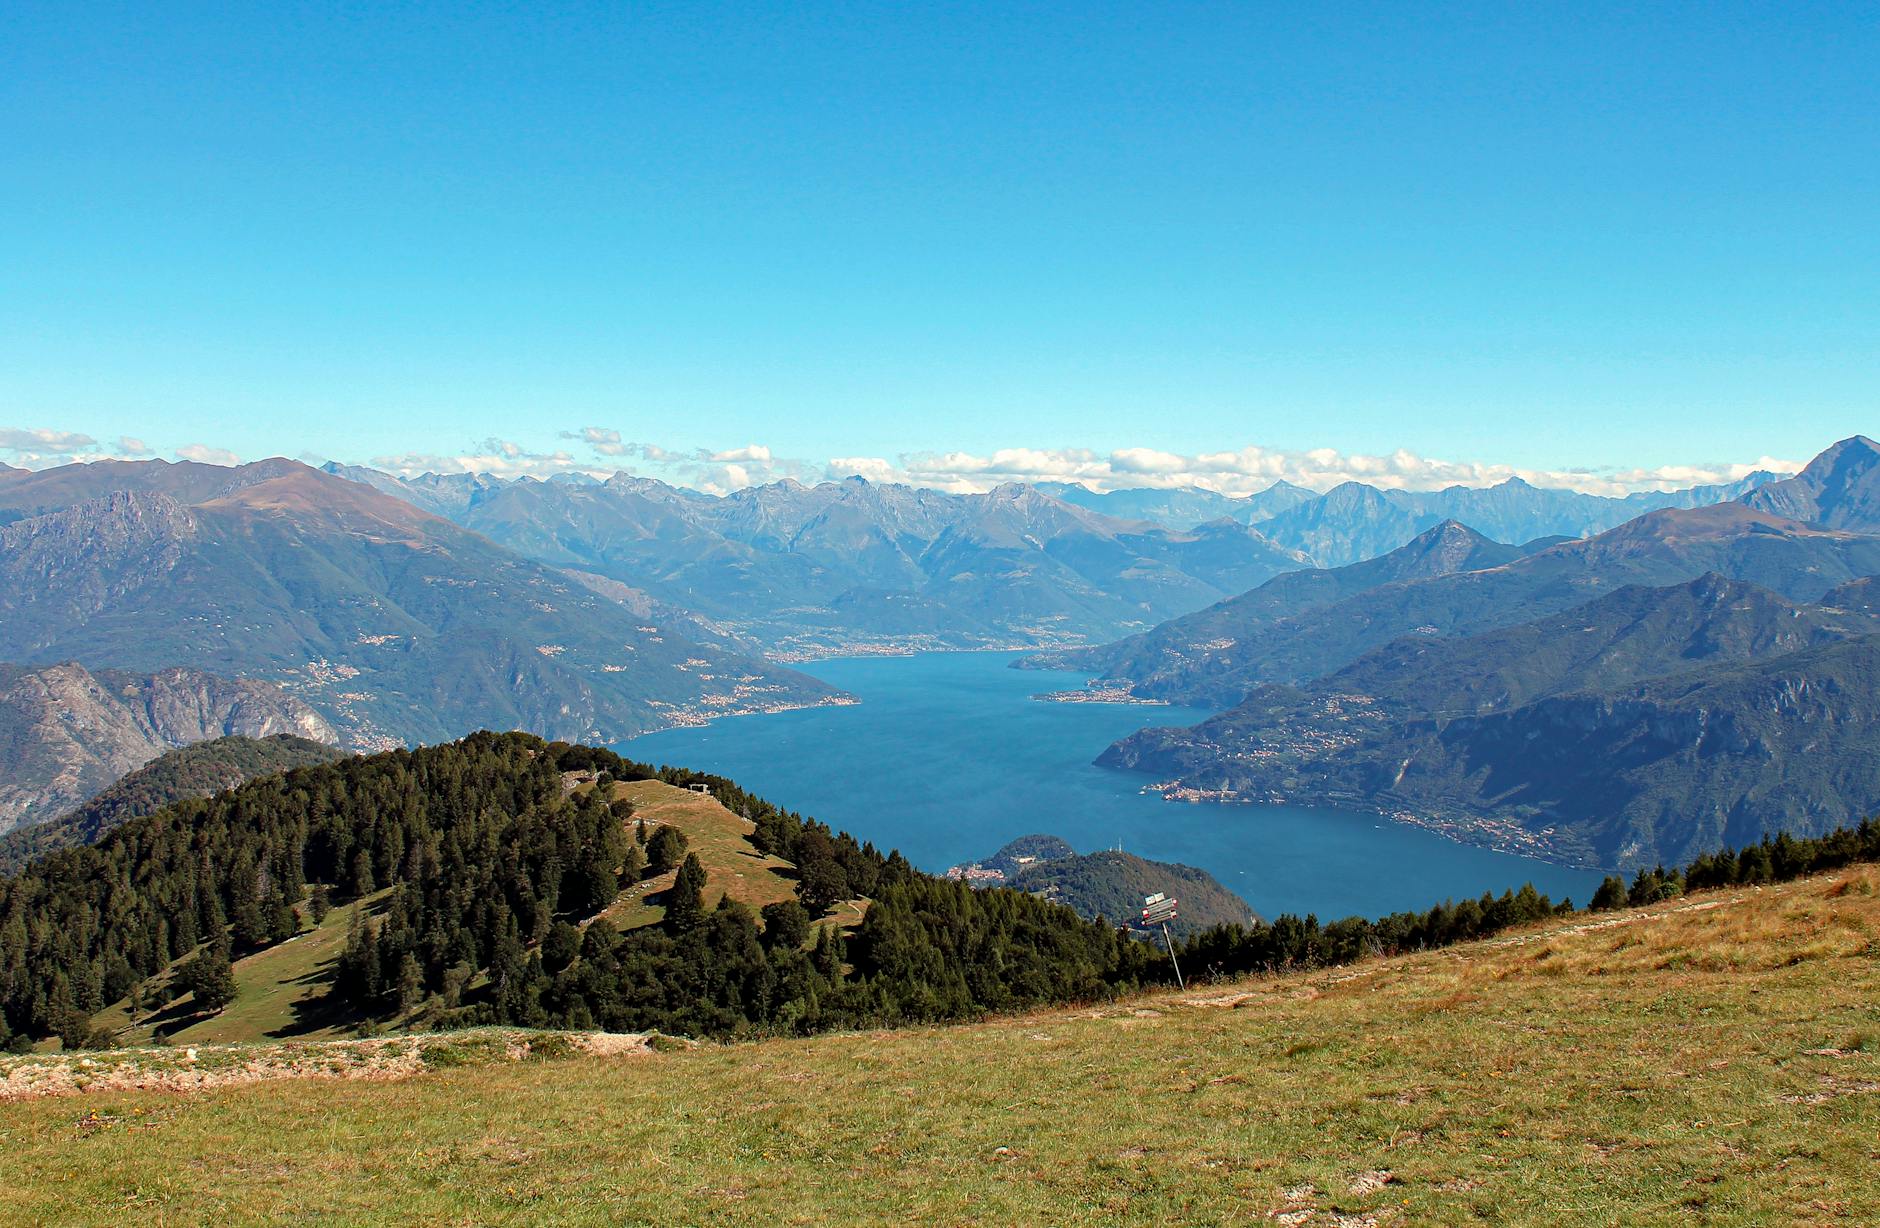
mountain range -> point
(199, 769)
(1582, 701)
(1297, 628)
(393, 624)
(392, 610)
(811, 570)
(1355, 521)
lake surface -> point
(947, 757)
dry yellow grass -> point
(1706, 1061)
(722, 841)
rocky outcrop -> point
(67, 732)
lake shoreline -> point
(948, 754)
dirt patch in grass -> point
(195, 1068)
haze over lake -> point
(947, 757)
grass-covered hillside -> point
(1713, 1059)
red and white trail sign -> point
(1157, 911)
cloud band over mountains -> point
(600, 451)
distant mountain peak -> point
(1839, 489)
(1451, 532)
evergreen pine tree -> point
(685, 900)
(786, 925)
(210, 979)
(665, 849)
(362, 882)
(561, 947)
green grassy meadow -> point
(1706, 1061)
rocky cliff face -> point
(66, 732)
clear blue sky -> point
(1534, 234)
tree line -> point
(480, 877)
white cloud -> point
(17, 439)
(603, 451)
(603, 441)
(1254, 468)
(204, 454)
(1239, 471)
(43, 448)
(874, 468)
(1674, 477)
(503, 458)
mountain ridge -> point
(394, 623)
(1649, 724)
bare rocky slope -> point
(67, 732)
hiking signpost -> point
(1159, 909)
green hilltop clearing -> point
(281, 988)
(1712, 1058)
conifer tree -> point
(362, 882)
(786, 925)
(561, 947)
(665, 849)
(210, 979)
(685, 900)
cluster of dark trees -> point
(480, 870)
(484, 876)
(1775, 859)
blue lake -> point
(947, 757)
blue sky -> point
(1525, 238)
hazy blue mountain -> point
(1632, 634)
(1213, 657)
(1199, 648)
(1279, 497)
(394, 624)
(67, 732)
(1179, 507)
(1354, 521)
(809, 569)
(1840, 489)
(1651, 723)
(1347, 523)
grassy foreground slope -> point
(1712, 1060)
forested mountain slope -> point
(196, 770)
(1650, 724)
(1496, 1081)
(503, 875)
(1109, 883)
